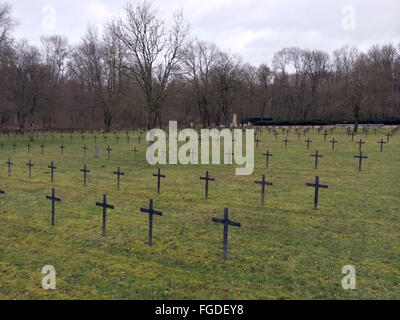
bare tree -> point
(264, 77)
(154, 52)
(199, 62)
(225, 79)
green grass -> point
(284, 250)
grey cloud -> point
(255, 29)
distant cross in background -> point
(108, 152)
(267, 156)
(381, 143)
(207, 179)
(333, 142)
(52, 167)
(85, 172)
(1, 192)
(360, 143)
(263, 184)
(62, 147)
(9, 164)
(308, 141)
(360, 157)
(286, 141)
(159, 176)
(84, 148)
(135, 150)
(325, 134)
(30, 165)
(316, 156)
(119, 174)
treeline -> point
(142, 71)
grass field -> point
(284, 250)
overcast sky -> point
(255, 29)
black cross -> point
(53, 205)
(52, 167)
(316, 156)
(381, 143)
(135, 150)
(308, 141)
(29, 148)
(276, 134)
(257, 141)
(151, 213)
(14, 146)
(207, 179)
(226, 222)
(30, 165)
(286, 141)
(105, 206)
(119, 174)
(317, 186)
(2, 192)
(9, 163)
(159, 175)
(62, 147)
(263, 184)
(230, 155)
(85, 172)
(84, 148)
(108, 152)
(42, 147)
(360, 157)
(388, 137)
(325, 134)
(360, 143)
(333, 142)
(267, 156)
(352, 136)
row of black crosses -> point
(151, 211)
(62, 147)
(333, 142)
(268, 155)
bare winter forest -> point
(143, 70)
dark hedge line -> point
(323, 122)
